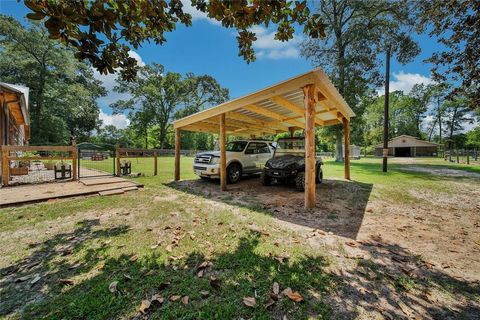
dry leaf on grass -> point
(276, 288)
(250, 302)
(200, 273)
(144, 306)
(214, 282)
(163, 285)
(204, 293)
(185, 299)
(36, 279)
(126, 276)
(113, 287)
(174, 298)
(154, 246)
(269, 303)
(133, 258)
(295, 296)
(169, 248)
(157, 298)
(67, 282)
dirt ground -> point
(422, 246)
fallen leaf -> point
(269, 303)
(250, 302)
(113, 287)
(185, 300)
(295, 296)
(287, 291)
(174, 298)
(144, 306)
(200, 273)
(214, 282)
(203, 265)
(128, 277)
(133, 258)
(24, 278)
(276, 288)
(154, 246)
(157, 298)
(35, 279)
(68, 282)
(204, 293)
(169, 248)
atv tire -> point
(300, 181)
(319, 176)
(265, 179)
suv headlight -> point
(215, 160)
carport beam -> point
(310, 158)
(223, 154)
(177, 154)
(346, 127)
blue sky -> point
(208, 48)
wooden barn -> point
(408, 146)
(14, 115)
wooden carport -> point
(300, 103)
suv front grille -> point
(203, 159)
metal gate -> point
(95, 160)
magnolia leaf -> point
(185, 299)
(113, 287)
(174, 298)
(204, 293)
(295, 296)
(276, 288)
(269, 303)
(157, 298)
(250, 302)
(144, 306)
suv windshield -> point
(290, 146)
(236, 146)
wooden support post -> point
(5, 166)
(177, 154)
(310, 158)
(74, 161)
(346, 128)
(468, 158)
(117, 160)
(223, 154)
(292, 131)
(155, 163)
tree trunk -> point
(341, 90)
(385, 116)
(439, 120)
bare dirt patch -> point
(442, 171)
(394, 259)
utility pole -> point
(385, 116)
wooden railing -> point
(6, 152)
(127, 153)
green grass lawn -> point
(99, 257)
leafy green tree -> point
(100, 30)
(349, 52)
(63, 91)
(473, 138)
(418, 101)
(112, 135)
(455, 25)
(457, 115)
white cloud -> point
(109, 81)
(403, 81)
(118, 120)
(268, 47)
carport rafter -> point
(303, 102)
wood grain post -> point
(223, 154)
(117, 160)
(155, 163)
(346, 127)
(5, 166)
(74, 161)
(177, 154)
(310, 157)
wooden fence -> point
(127, 153)
(14, 153)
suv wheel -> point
(300, 181)
(266, 180)
(234, 172)
(319, 176)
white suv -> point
(243, 157)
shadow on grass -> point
(381, 283)
(29, 279)
(340, 205)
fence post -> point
(155, 163)
(5, 166)
(74, 161)
(468, 157)
(458, 156)
(117, 159)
